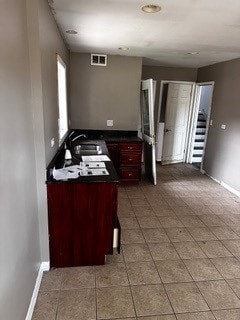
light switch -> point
(223, 126)
(109, 123)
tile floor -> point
(180, 257)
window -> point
(62, 98)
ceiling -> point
(210, 27)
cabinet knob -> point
(130, 159)
(130, 174)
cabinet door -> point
(113, 153)
(81, 222)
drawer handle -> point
(130, 159)
(130, 148)
(130, 174)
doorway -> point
(176, 99)
(200, 123)
(183, 121)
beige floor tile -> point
(124, 203)
(136, 252)
(46, 306)
(135, 194)
(185, 297)
(142, 273)
(150, 300)
(143, 211)
(227, 314)
(229, 267)
(163, 251)
(189, 250)
(182, 211)
(51, 280)
(235, 285)
(155, 235)
(224, 233)
(212, 220)
(78, 277)
(173, 271)
(200, 209)
(179, 234)
(77, 305)
(218, 295)
(170, 222)
(125, 213)
(191, 221)
(233, 246)
(129, 223)
(149, 222)
(202, 269)
(139, 202)
(162, 211)
(132, 236)
(202, 234)
(115, 257)
(115, 302)
(168, 317)
(206, 315)
(111, 275)
(214, 249)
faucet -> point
(79, 136)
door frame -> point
(189, 113)
(193, 120)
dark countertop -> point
(108, 135)
(93, 137)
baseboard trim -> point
(44, 266)
(234, 191)
(226, 186)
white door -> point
(148, 134)
(176, 122)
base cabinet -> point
(82, 218)
(126, 157)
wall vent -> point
(98, 60)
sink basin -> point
(87, 149)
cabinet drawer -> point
(130, 174)
(130, 147)
(130, 158)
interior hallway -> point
(180, 257)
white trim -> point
(234, 191)
(226, 186)
(44, 266)
(202, 171)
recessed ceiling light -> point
(151, 8)
(193, 53)
(123, 48)
(71, 32)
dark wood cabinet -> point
(126, 157)
(82, 217)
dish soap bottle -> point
(68, 155)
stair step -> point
(201, 126)
(197, 153)
(196, 159)
(198, 148)
(199, 140)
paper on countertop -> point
(71, 172)
(94, 172)
(96, 158)
(92, 164)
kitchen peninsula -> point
(82, 212)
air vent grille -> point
(99, 60)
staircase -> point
(199, 139)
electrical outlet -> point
(109, 123)
(223, 126)
(52, 142)
(211, 122)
